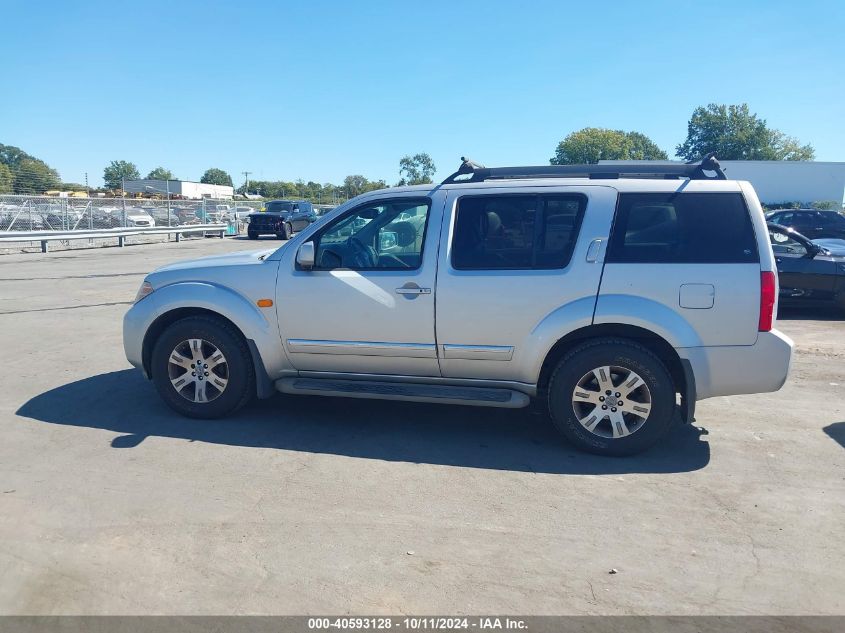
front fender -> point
(255, 324)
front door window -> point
(386, 235)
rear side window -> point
(693, 228)
(516, 232)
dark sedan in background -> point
(811, 272)
(811, 223)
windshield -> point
(279, 206)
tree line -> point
(733, 132)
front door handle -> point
(413, 291)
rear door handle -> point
(595, 251)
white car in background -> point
(139, 217)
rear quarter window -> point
(693, 228)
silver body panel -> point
(481, 328)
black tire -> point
(252, 235)
(627, 355)
(286, 232)
(240, 388)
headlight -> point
(145, 289)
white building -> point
(779, 181)
(184, 188)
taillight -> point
(768, 288)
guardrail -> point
(45, 237)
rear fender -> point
(554, 326)
(648, 315)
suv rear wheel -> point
(202, 368)
(611, 397)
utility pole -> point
(246, 183)
(167, 186)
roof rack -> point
(695, 170)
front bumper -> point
(134, 327)
(739, 369)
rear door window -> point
(682, 228)
(516, 232)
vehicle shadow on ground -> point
(836, 431)
(500, 439)
(266, 237)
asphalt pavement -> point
(112, 504)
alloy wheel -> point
(611, 402)
(198, 370)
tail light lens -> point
(768, 288)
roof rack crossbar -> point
(474, 172)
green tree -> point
(119, 170)
(356, 184)
(592, 144)
(160, 173)
(11, 156)
(416, 170)
(215, 176)
(6, 179)
(29, 174)
(733, 132)
(35, 176)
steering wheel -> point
(363, 256)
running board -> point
(414, 392)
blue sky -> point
(318, 90)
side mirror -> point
(305, 256)
(813, 250)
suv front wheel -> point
(611, 397)
(202, 368)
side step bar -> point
(444, 394)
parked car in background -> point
(615, 304)
(162, 215)
(282, 218)
(21, 218)
(239, 213)
(810, 271)
(811, 223)
(138, 217)
(215, 213)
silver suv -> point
(612, 295)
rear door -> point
(806, 223)
(684, 254)
(509, 258)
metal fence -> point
(42, 213)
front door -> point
(367, 306)
(299, 218)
